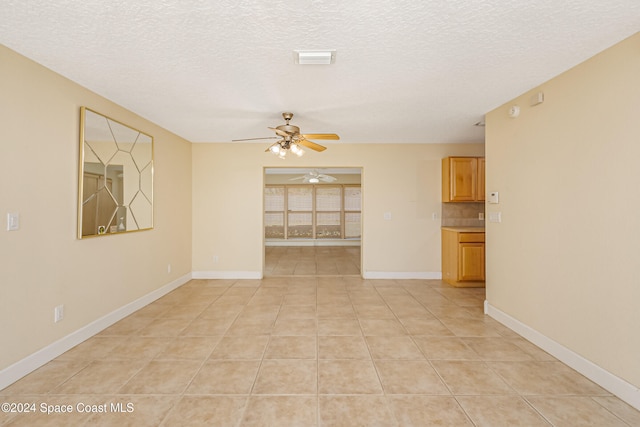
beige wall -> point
(43, 264)
(401, 179)
(564, 260)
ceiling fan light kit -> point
(280, 149)
(292, 140)
(314, 57)
(295, 149)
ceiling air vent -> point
(314, 57)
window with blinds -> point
(274, 212)
(312, 211)
(352, 212)
(300, 212)
(328, 212)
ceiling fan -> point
(314, 176)
(290, 138)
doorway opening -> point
(312, 221)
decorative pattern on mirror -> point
(116, 177)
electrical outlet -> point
(216, 258)
(481, 216)
(168, 268)
(58, 313)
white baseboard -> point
(605, 379)
(226, 275)
(14, 372)
(435, 275)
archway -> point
(312, 221)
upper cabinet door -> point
(459, 179)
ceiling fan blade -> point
(320, 136)
(280, 132)
(326, 178)
(312, 145)
(254, 139)
(297, 178)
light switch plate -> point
(13, 221)
(58, 313)
(495, 216)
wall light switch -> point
(387, 216)
(13, 221)
(58, 313)
(495, 216)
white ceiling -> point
(406, 71)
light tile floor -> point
(312, 261)
(312, 351)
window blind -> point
(274, 199)
(328, 199)
(352, 199)
(300, 198)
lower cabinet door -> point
(471, 262)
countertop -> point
(465, 229)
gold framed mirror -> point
(115, 180)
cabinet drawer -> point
(471, 237)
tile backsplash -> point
(462, 214)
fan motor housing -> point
(290, 129)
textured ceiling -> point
(406, 71)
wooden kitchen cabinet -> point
(463, 179)
(471, 262)
(463, 256)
